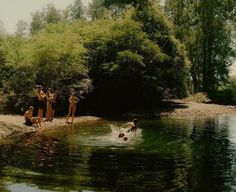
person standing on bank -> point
(40, 96)
(54, 99)
(49, 97)
(73, 100)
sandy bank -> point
(12, 125)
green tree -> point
(22, 28)
(204, 27)
(97, 10)
(19, 87)
(37, 23)
(134, 3)
(127, 67)
(59, 61)
(133, 61)
(76, 10)
(175, 73)
(4, 68)
(49, 15)
(53, 58)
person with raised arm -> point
(40, 96)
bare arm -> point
(76, 99)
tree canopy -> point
(205, 27)
(121, 55)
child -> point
(73, 100)
(30, 120)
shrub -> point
(198, 98)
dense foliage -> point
(121, 55)
(131, 67)
(206, 28)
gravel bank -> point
(190, 109)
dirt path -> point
(12, 125)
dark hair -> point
(39, 86)
(135, 121)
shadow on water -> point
(164, 155)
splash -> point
(132, 137)
(111, 139)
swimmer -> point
(125, 138)
(134, 126)
(131, 126)
(121, 135)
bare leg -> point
(50, 112)
(68, 115)
(53, 113)
(34, 121)
(39, 122)
(40, 113)
(47, 114)
(73, 114)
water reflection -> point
(165, 155)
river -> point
(163, 155)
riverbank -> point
(13, 125)
(184, 109)
(181, 108)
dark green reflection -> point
(168, 155)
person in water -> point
(131, 126)
(122, 135)
(30, 120)
(40, 96)
(73, 100)
(134, 126)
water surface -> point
(164, 155)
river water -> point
(164, 155)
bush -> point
(198, 98)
